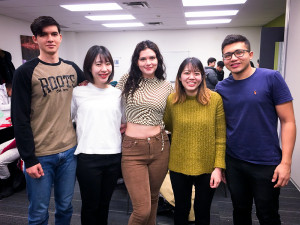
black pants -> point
(182, 188)
(97, 177)
(247, 181)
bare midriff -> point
(141, 131)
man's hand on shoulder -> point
(35, 171)
(282, 174)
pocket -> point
(133, 148)
(128, 143)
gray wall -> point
(292, 75)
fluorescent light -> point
(123, 25)
(111, 17)
(196, 22)
(92, 7)
(211, 2)
(211, 13)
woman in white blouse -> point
(97, 110)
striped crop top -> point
(148, 103)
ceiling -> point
(169, 12)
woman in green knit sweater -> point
(195, 117)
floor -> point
(13, 210)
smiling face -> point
(101, 70)
(239, 66)
(191, 79)
(147, 63)
(49, 41)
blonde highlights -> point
(203, 93)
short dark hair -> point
(41, 22)
(220, 64)
(210, 60)
(233, 38)
(90, 57)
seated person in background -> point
(211, 74)
(219, 70)
(10, 153)
(5, 94)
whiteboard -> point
(172, 61)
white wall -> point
(11, 29)
(201, 43)
(292, 76)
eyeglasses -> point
(238, 53)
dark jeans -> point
(247, 181)
(97, 177)
(182, 188)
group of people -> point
(123, 129)
(213, 74)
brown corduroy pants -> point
(144, 167)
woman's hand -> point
(123, 128)
(215, 178)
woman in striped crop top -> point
(145, 147)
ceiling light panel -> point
(217, 21)
(92, 7)
(211, 13)
(111, 17)
(211, 2)
(123, 25)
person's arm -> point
(20, 111)
(123, 119)
(167, 115)
(121, 83)
(216, 176)
(212, 77)
(73, 106)
(286, 116)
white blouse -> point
(98, 114)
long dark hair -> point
(135, 74)
(90, 57)
(203, 93)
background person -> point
(219, 70)
(195, 117)
(145, 147)
(256, 166)
(211, 74)
(10, 153)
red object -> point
(10, 146)
(5, 125)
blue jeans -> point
(247, 181)
(60, 172)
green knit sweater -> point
(198, 135)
